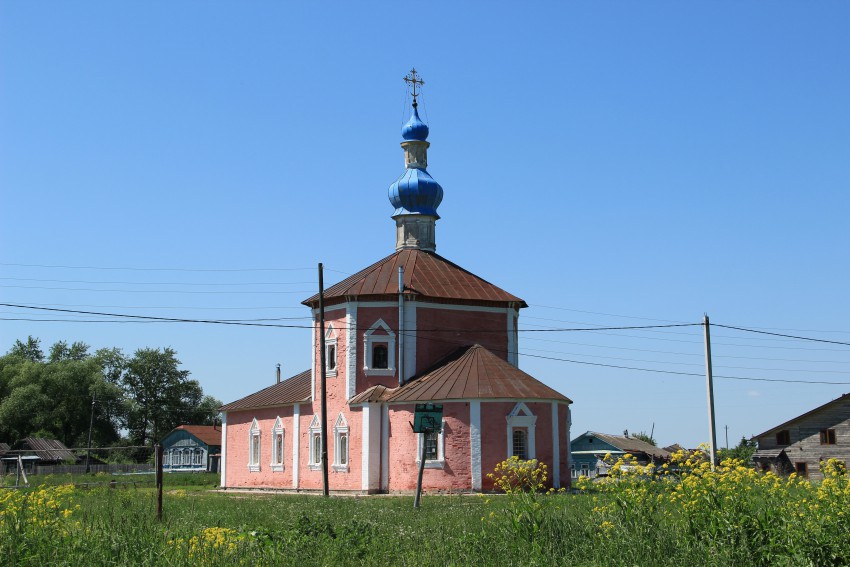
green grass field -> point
(732, 517)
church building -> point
(411, 328)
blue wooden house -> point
(192, 448)
(588, 452)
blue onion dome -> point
(415, 129)
(416, 192)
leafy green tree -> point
(644, 436)
(61, 351)
(743, 451)
(161, 396)
(31, 350)
(53, 397)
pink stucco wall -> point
(403, 448)
(236, 463)
(444, 330)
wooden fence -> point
(81, 469)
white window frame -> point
(278, 450)
(315, 452)
(370, 340)
(254, 447)
(330, 343)
(585, 469)
(524, 432)
(340, 430)
(197, 457)
(521, 417)
(440, 461)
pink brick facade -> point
(382, 451)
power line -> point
(797, 337)
(130, 269)
(155, 283)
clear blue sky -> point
(651, 161)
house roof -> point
(208, 434)
(426, 274)
(840, 399)
(768, 453)
(293, 390)
(472, 372)
(48, 449)
(631, 445)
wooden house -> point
(800, 444)
(589, 449)
(38, 452)
(192, 448)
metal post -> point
(158, 461)
(709, 383)
(421, 469)
(400, 364)
(88, 445)
(322, 362)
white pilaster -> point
(365, 438)
(556, 448)
(475, 442)
(223, 463)
(351, 353)
(296, 443)
(313, 355)
(385, 448)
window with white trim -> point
(254, 447)
(277, 445)
(520, 432)
(197, 457)
(341, 444)
(330, 352)
(379, 350)
(520, 444)
(573, 471)
(585, 469)
(315, 443)
(434, 447)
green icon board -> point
(428, 417)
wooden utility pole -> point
(325, 487)
(88, 445)
(158, 460)
(709, 384)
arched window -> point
(330, 351)
(277, 445)
(254, 447)
(315, 443)
(341, 444)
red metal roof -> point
(426, 274)
(474, 372)
(209, 434)
(290, 391)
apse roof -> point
(290, 391)
(473, 372)
(426, 274)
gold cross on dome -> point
(413, 79)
